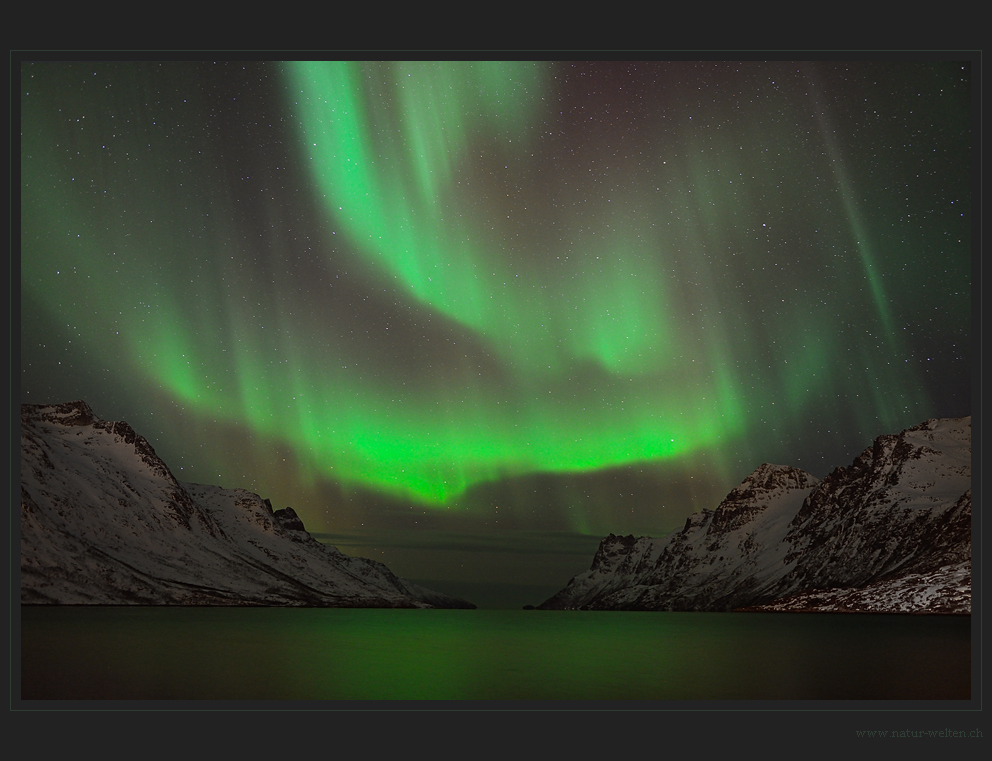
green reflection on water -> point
(321, 654)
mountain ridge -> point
(878, 535)
(104, 521)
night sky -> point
(469, 318)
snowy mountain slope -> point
(899, 517)
(946, 590)
(719, 557)
(903, 506)
(104, 521)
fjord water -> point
(136, 653)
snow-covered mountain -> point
(104, 521)
(892, 532)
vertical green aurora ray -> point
(871, 268)
(890, 385)
(398, 200)
(393, 216)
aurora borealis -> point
(467, 310)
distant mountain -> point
(890, 533)
(105, 522)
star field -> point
(441, 299)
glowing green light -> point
(545, 322)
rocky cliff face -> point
(104, 521)
(892, 532)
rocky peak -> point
(769, 477)
(612, 548)
(288, 519)
(67, 413)
(79, 413)
(756, 493)
(898, 468)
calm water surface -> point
(320, 654)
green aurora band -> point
(560, 325)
